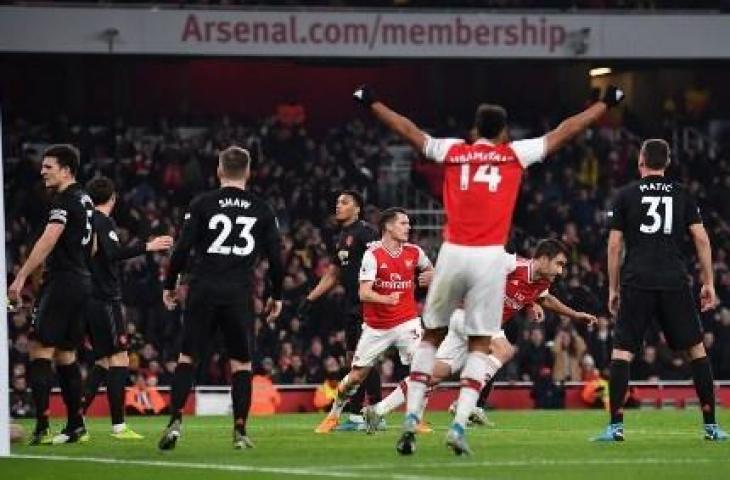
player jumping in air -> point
(481, 183)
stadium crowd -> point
(158, 168)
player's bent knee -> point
(441, 370)
(503, 350)
(358, 374)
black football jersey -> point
(654, 215)
(72, 208)
(105, 260)
(227, 229)
(349, 250)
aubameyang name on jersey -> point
(482, 156)
(655, 187)
(233, 202)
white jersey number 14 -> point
(488, 174)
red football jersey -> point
(520, 291)
(392, 272)
(481, 183)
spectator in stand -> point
(21, 400)
(534, 356)
(159, 166)
(265, 398)
(143, 398)
(600, 344)
(568, 350)
(647, 368)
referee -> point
(649, 219)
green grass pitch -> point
(542, 445)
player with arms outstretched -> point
(388, 275)
(481, 184)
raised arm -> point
(399, 124)
(572, 126)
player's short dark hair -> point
(357, 196)
(656, 153)
(100, 189)
(551, 248)
(388, 215)
(66, 155)
(234, 162)
(490, 120)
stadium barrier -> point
(516, 396)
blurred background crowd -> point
(159, 166)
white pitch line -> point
(544, 462)
(306, 472)
(297, 471)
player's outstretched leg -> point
(346, 389)
(618, 384)
(182, 383)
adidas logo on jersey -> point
(383, 265)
